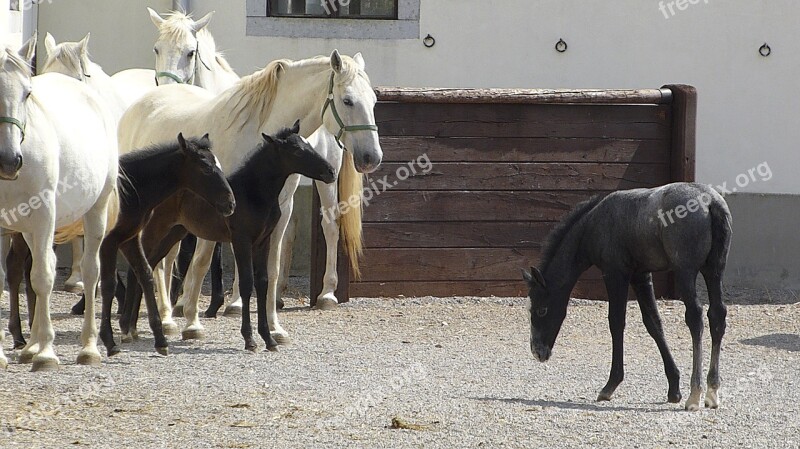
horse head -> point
(296, 155)
(178, 48)
(548, 308)
(15, 85)
(349, 112)
(67, 58)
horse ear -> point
(157, 19)
(182, 142)
(336, 61)
(267, 138)
(537, 276)
(296, 127)
(205, 137)
(359, 59)
(203, 22)
(49, 44)
(28, 49)
(84, 44)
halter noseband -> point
(190, 79)
(342, 127)
(16, 123)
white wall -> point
(748, 107)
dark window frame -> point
(335, 14)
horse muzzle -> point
(9, 167)
(540, 351)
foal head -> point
(177, 48)
(15, 92)
(202, 174)
(547, 309)
(296, 155)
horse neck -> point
(216, 78)
(262, 175)
(153, 177)
(301, 93)
(569, 261)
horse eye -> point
(191, 54)
(541, 311)
(347, 102)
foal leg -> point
(261, 283)
(17, 261)
(643, 286)
(717, 312)
(217, 292)
(74, 283)
(243, 252)
(133, 251)
(685, 283)
(617, 288)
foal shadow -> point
(585, 406)
(786, 342)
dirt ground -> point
(412, 372)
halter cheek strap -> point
(329, 103)
(190, 79)
(16, 123)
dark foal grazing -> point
(150, 177)
(256, 186)
(625, 235)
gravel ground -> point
(453, 372)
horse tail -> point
(66, 233)
(351, 185)
(720, 233)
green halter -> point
(190, 79)
(16, 123)
(342, 128)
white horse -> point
(58, 151)
(181, 43)
(333, 91)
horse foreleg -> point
(94, 227)
(133, 251)
(162, 273)
(717, 312)
(685, 284)
(617, 288)
(243, 252)
(74, 283)
(261, 283)
(108, 288)
(191, 289)
(217, 292)
(234, 307)
(39, 349)
(274, 262)
(17, 261)
(643, 286)
(330, 229)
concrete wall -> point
(747, 112)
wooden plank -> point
(530, 149)
(499, 120)
(684, 132)
(472, 206)
(523, 96)
(456, 234)
(521, 176)
(585, 289)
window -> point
(346, 19)
(342, 9)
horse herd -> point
(207, 153)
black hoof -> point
(77, 309)
(279, 304)
(19, 344)
(210, 314)
(674, 398)
(114, 350)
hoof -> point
(114, 350)
(76, 310)
(20, 344)
(193, 334)
(170, 328)
(42, 364)
(272, 348)
(326, 304)
(89, 358)
(712, 400)
(253, 349)
(281, 338)
(163, 351)
(674, 398)
(177, 311)
(129, 337)
(692, 407)
(76, 287)
(25, 358)
(279, 304)
(3, 363)
(604, 396)
(233, 310)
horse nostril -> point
(19, 162)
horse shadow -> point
(584, 406)
(786, 342)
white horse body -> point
(132, 84)
(69, 171)
(263, 102)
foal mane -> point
(283, 134)
(557, 235)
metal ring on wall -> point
(765, 50)
(561, 46)
(429, 41)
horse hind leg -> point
(717, 313)
(685, 284)
(643, 287)
(74, 283)
(17, 261)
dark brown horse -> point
(256, 186)
(148, 178)
(627, 236)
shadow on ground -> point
(786, 342)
